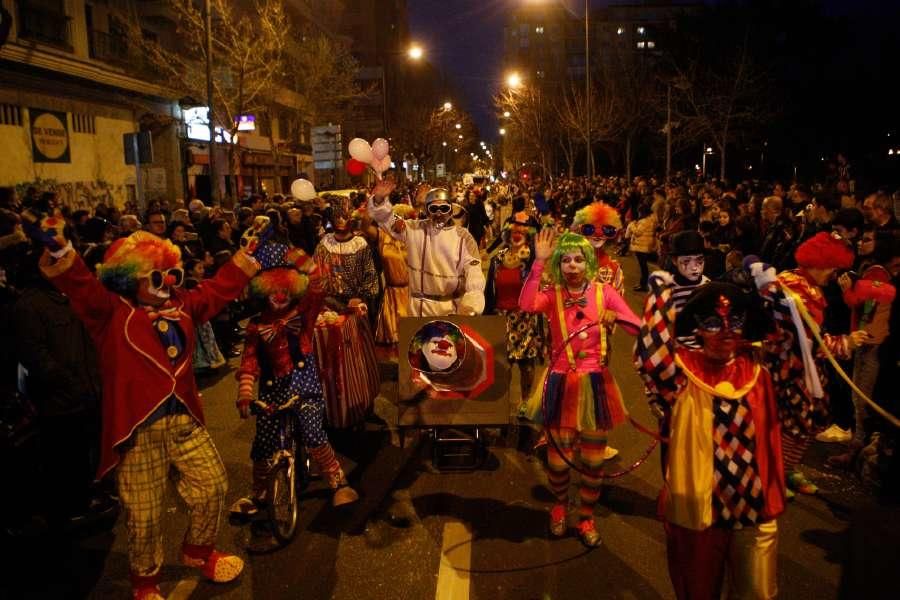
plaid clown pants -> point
(177, 444)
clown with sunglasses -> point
(600, 223)
(143, 325)
(445, 276)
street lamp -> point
(514, 80)
(448, 106)
(415, 52)
(506, 113)
(502, 131)
(458, 126)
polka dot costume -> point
(310, 409)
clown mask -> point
(690, 266)
(573, 266)
(440, 352)
(155, 287)
(518, 235)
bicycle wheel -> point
(283, 502)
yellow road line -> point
(456, 561)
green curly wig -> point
(570, 242)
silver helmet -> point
(437, 194)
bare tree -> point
(571, 117)
(532, 125)
(247, 57)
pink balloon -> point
(380, 148)
(382, 165)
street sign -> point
(326, 146)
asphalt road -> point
(419, 534)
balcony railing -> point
(46, 26)
(109, 47)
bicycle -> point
(283, 483)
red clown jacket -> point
(136, 372)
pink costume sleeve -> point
(532, 299)
(624, 315)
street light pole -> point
(587, 85)
(213, 176)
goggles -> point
(607, 231)
(158, 278)
(716, 324)
(439, 208)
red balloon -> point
(355, 168)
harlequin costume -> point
(152, 414)
(679, 284)
(278, 355)
(581, 401)
(600, 223)
(798, 371)
(395, 302)
(445, 275)
(506, 277)
(724, 481)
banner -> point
(49, 136)
(453, 371)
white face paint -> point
(690, 266)
(597, 242)
(440, 352)
(573, 266)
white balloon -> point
(380, 148)
(302, 189)
(360, 150)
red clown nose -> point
(444, 345)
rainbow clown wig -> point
(572, 242)
(129, 259)
(601, 218)
(280, 272)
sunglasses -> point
(439, 208)
(715, 324)
(607, 231)
(158, 278)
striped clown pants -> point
(591, 446)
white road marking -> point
(184, 589)
(456, 560)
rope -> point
(814, 328)
(549, 430)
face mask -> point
(440, 353)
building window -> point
(620, 31)
(641, 45)
(539, 29)
(641, 31)
(45, 21)
(10, 114)
(540, 74)
(651, 45)
(83, 123)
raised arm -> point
(92, 302)
(380, 210)
(213, 295)
(532, 299)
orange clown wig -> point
(129, 259)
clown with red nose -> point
(143, 324)
(278, 360)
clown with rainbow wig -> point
(581, 400)
(143, 325)
(278, 355)
(600, 223)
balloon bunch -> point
(363, 155)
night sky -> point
(464, 39)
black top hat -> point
(686, 243)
